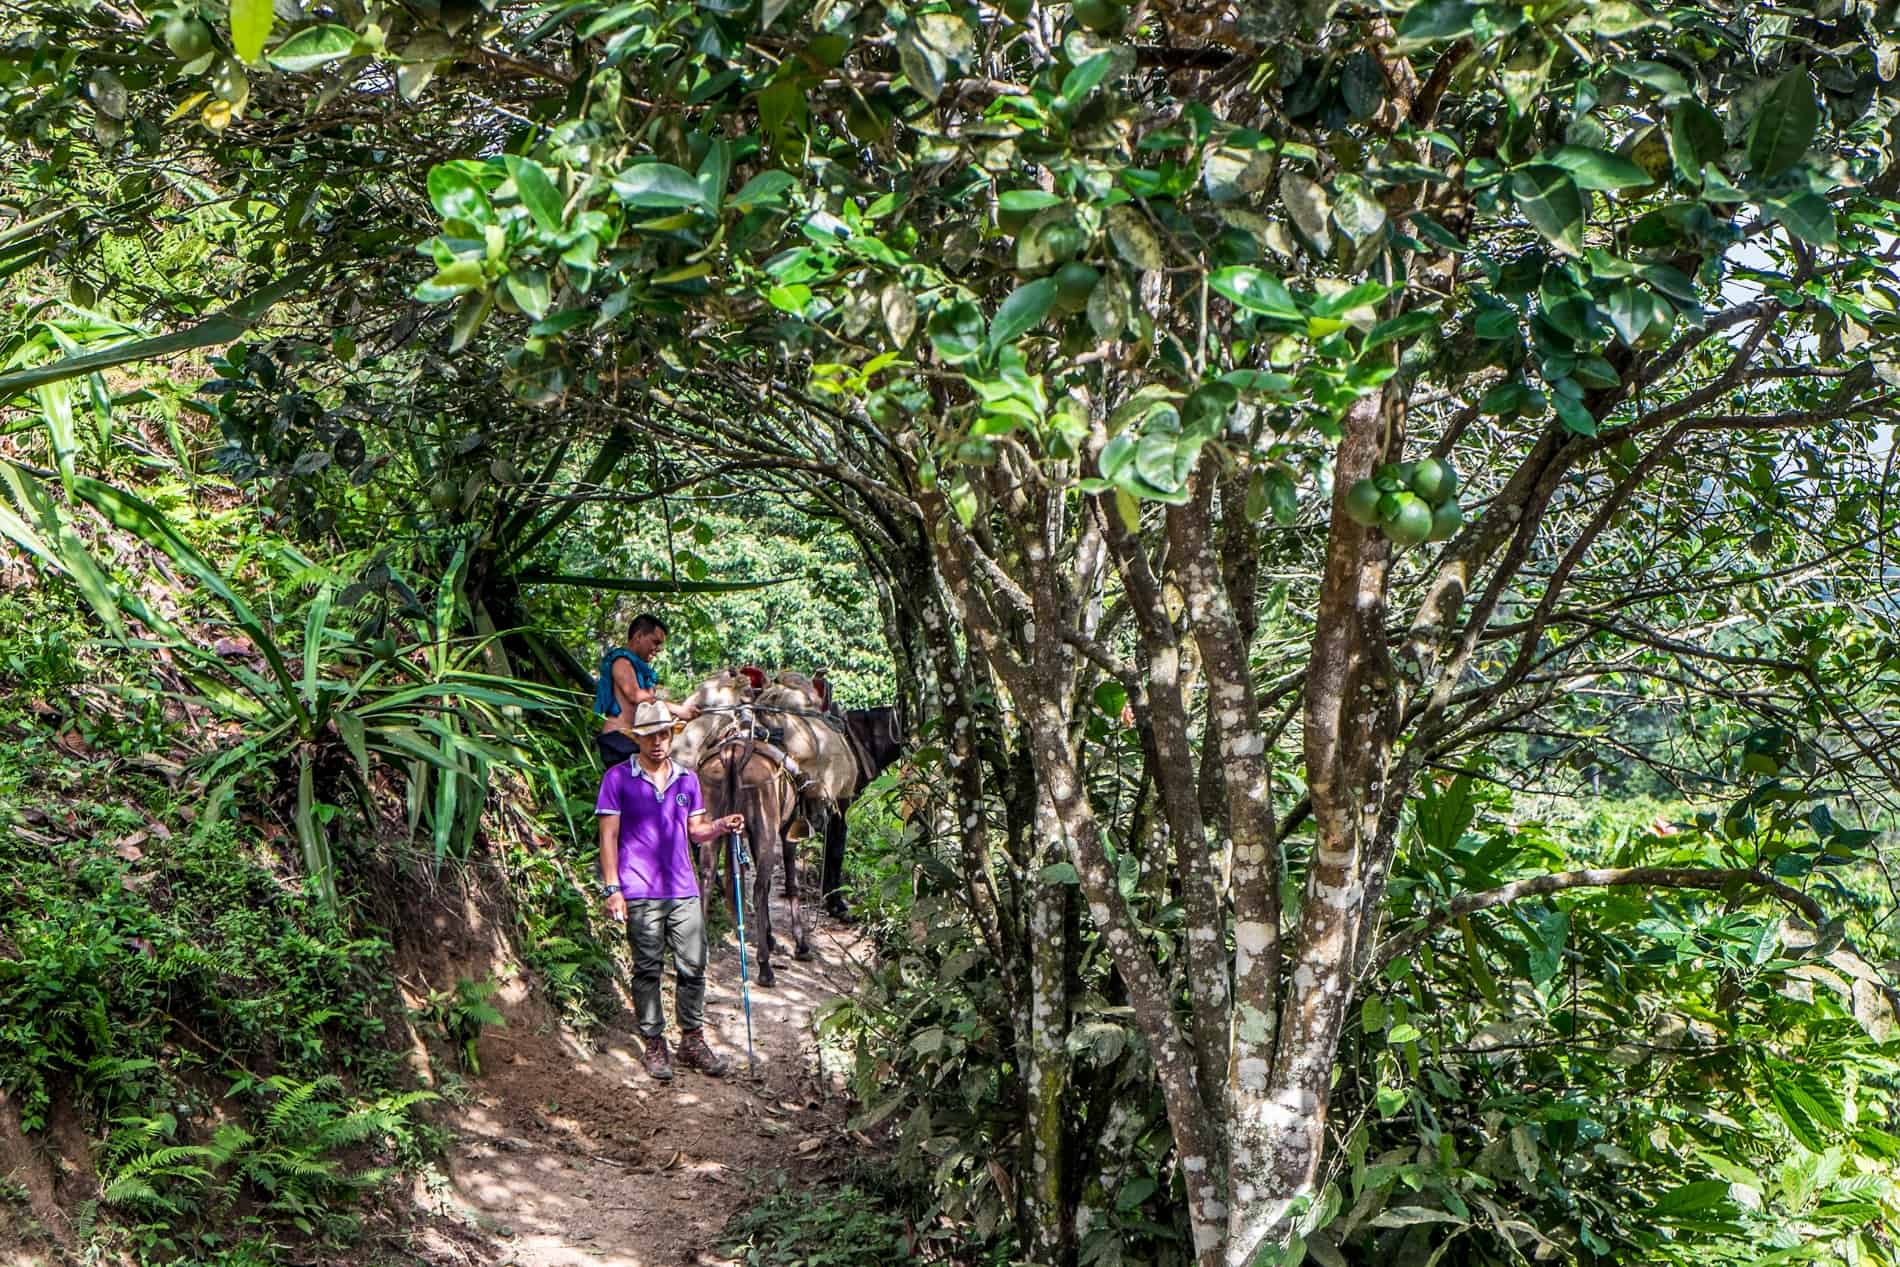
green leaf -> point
(1165, 458)
(930, 47)
(469, 317)
(767, 189)
(150, 525)
(528, 287)
(1404, 326)
(1695, 137)
(317, 862)
(1783, 127)
(1691, 1198)
(657, 185)
(1672, 282)
(1437, 20)
(1629, 307)
(1665, 79)
(57, 543)
(1409, 1215)
(1282, 498)
(1027, 200)
(1026, 306)
(350, 726)
(456, 192)
(1575, 418)
(1256, 291)
(537, 192)
(1550, 200)
(223, 328)
(1598, 169)
(250, 28)
(313, 630)
(1792, 1116)
(1550, 929)
(1808, 217)
(1496, 323)
(1134, 238)
(1402, 1033)
(1059, 873)
(457, 279)
(1594, 371)
(956, 331)
(1078, 83)
(1358, 215)
(312, 47)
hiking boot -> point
(657, 1060)
(695, 1054)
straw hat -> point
(653, 716)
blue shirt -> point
(656, 857)
(606, 703)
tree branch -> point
(1713, 879)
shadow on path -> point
(565, 1157)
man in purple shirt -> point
(651, 815)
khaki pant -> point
(653, 926)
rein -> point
(829, 718)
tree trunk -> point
(1350, 717)
(1050, 1235)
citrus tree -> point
(1349, 389)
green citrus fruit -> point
(1388, 505)
(1362, 503)
(1434, 480)
(1100, 15)
(1447, 519)
(1074, 281)
(1064, 240)
(443, 494)
(187, 37)
(1017, 10)
(1413, 522)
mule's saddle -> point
(768, 741)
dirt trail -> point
(566, 1158)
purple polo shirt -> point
(656, 858)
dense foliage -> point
(1278, 436)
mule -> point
(736, 777)
(720, 696)
(876, 744)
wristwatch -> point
(609, 889)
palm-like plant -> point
(431, 711)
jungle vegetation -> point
(1377, 518)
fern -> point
(299, 1112)
(132, 1190)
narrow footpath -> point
(565, 1158)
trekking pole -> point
(745, 985)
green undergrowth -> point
(230, 1044)
(226, 1043)
(830, 1224)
